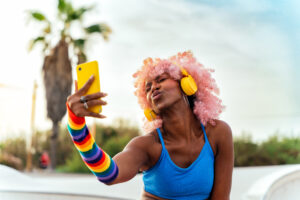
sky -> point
(253, 46)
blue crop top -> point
(167, 180)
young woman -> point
(186, 153)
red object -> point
(44, 160)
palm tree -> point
(57, 69)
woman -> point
(186, 154)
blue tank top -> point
(167, 180)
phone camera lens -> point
(79, 68)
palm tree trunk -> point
(58, 81)
(53, 143)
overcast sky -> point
(253, 47)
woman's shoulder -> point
(219, 133)
(220, 125)
(219, 129)
(148, 143)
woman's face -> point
(162, 92)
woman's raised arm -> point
(125, 165)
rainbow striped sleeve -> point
(99, 162)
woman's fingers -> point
(96, 102)
(95, 96)
(76, 86)
(97, 115)
(92, 100)
(86, 86)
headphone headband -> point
(183, 71)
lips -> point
(155, 94)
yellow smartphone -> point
(84, 72)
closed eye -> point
(158, 80)
(147, 89)
(161, 79)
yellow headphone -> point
(188, 85)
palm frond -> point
(79, 43)
(61, 5)
(34, 41)
(64, 6)
(77, 14)
(38, 16)
(101, 28)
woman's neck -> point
(179, 122)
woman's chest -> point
(183, 172)
(181, 154)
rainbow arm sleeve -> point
(99, 162)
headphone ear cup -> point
(188, 85)
(149, 114)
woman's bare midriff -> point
(148, 196)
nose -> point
(155, 86)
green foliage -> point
(244, 151)
(77, 14)
(65, 7)
(94, 28)
(41, 143)
(99, 28)
(274, 151)
(61, 5)
(115, 145)
(79, 43)
(15, 146)
(112, 139)
(67, 14)
(74, 164)
(34, 41)
(38, 16)
(282, 150)
(13, 152)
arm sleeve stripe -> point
(97, 160)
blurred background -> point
(253, 46)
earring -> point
(149, 114)
(186, 99)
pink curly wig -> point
(207, 106)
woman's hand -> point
(76, 105)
